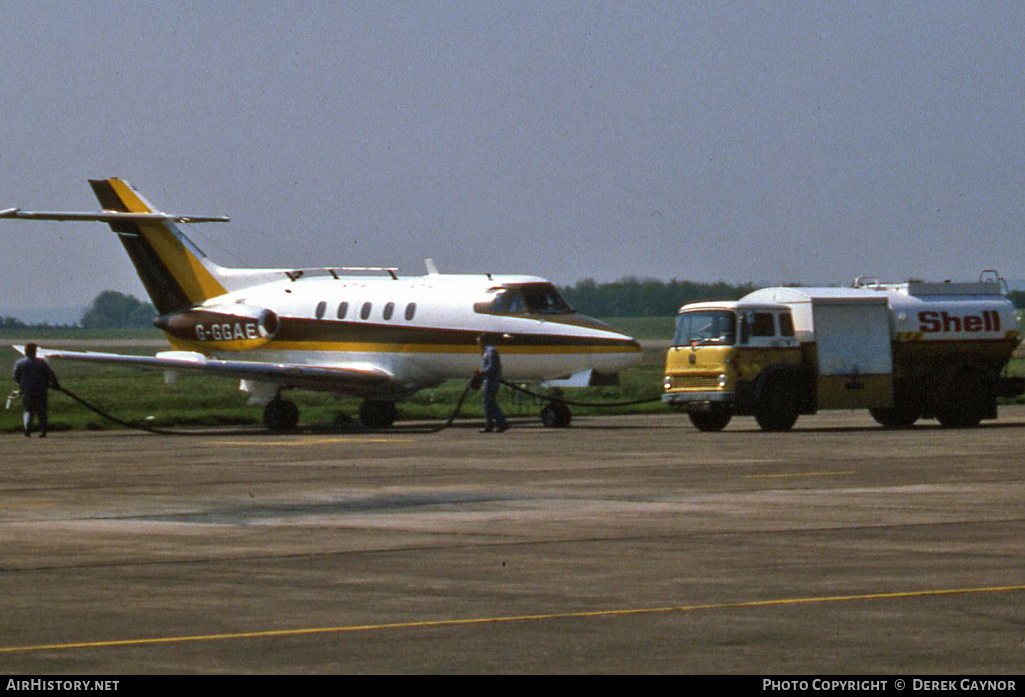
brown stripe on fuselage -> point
(313, 331)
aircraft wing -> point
(346, 377)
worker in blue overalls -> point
(490, 374)
(35, 377)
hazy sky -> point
(744, 141)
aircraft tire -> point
(281, 415)
(377, 414)
(556, 415)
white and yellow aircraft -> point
(378, 336)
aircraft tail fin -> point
(175, 272)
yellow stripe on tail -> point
(177, 275)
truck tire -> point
(710, 421)
(968, 398)
(778, 407)
(895, 417)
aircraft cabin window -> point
(365, 310)
(343, 309)
(410, 311)
(321, 309)
(389, 310)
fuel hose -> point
(114, 419)
(164, 432)
(573, 403)
(437, 429)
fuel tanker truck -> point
(904, 351)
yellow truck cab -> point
(904, 351)
(721, 360)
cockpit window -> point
(715, 327)
(525, 299)
(542, 298)
(508, 302)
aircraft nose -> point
(619, 350)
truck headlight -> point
(722, 379)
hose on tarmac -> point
(470, 384)
(164, 432)
(573, 403)
(455, 412)
(114, 419)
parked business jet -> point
(375, 335)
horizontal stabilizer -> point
(111, 216)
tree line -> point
(645, 297)
(648, 297)
(108, 310)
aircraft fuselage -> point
(423, 330)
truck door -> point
(854, 350)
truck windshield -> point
(713, 327)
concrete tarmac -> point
(621, 545)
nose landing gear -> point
(556, 415)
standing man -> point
(35, 376)
(491, 376)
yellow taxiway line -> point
(298, 442)
(797, 474)
(429, 624)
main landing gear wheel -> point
(281, 415)
(556, 415)
(377, 414)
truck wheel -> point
(710, 421)
(967, 401)
(895, 417)
(778, 408)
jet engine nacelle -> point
(228, 327)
